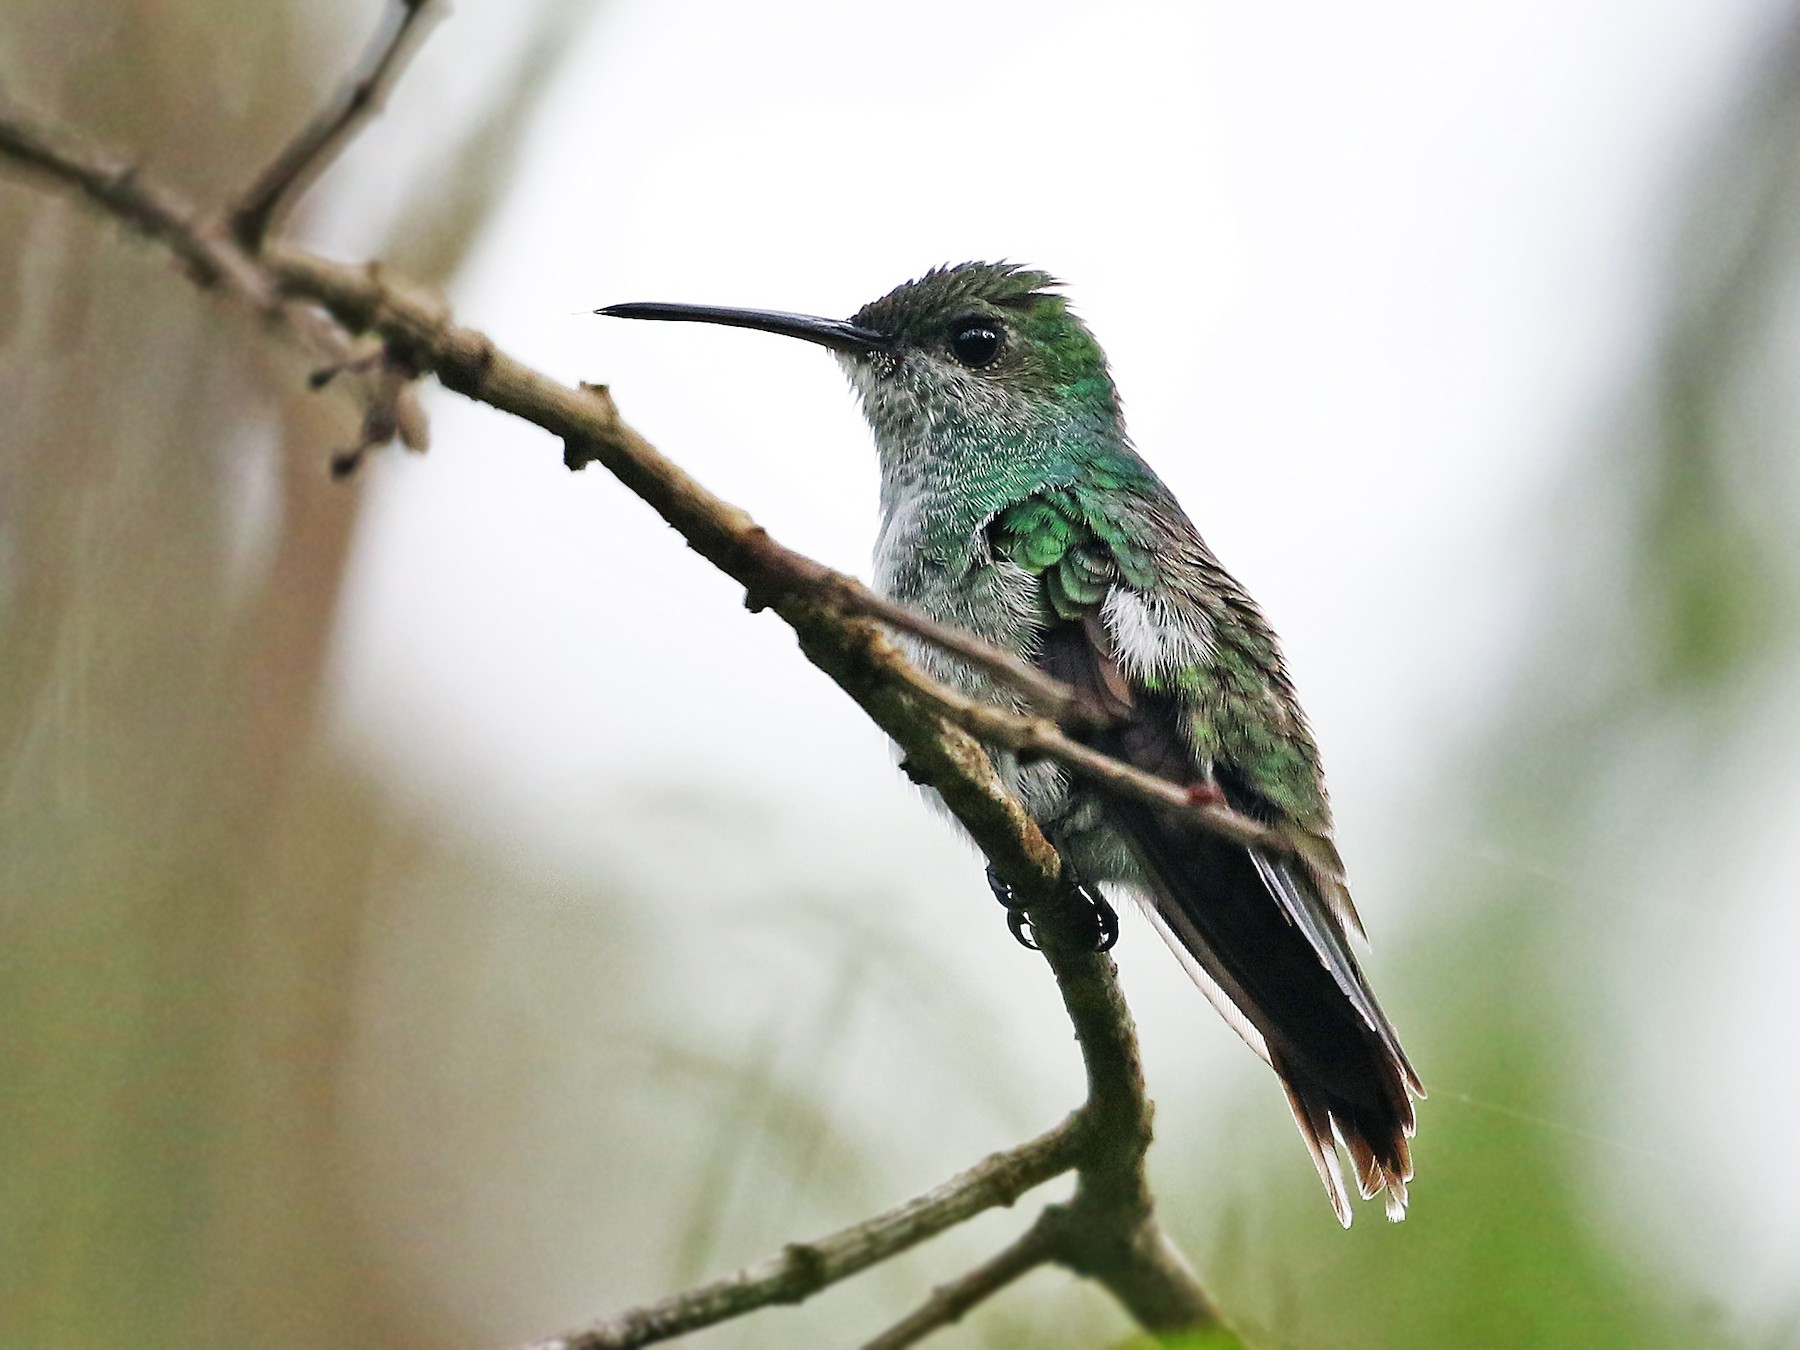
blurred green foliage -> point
(1667, 609)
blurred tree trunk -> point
(182, 876)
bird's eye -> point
(975, 342)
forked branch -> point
(802, 1269)
(305, 157)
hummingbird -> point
(1014, 505)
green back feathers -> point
(1234, 705)
(1078, 550)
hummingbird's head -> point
(988, 346)
(976, 354)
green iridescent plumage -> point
(1073, 541)
(1014, 505)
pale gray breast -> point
(994, 599)
(1001, 602)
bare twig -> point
(802, 1269)
(1108, 1230)
(392, 412)
(948, 1302)
(116, 187)
(1041, 738)
(1051, 697)
(302, 159)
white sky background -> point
(1369, 276)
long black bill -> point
(838, 334)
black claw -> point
(1003, 891)
(1106, 918)
(1016, 921)
(1103, 920)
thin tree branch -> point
(115, 186)
(1108, 1231)
(213, 259)
(118, 188)
(949, 1302)
(1052, 698)
(803, 1269)
(1039, 737)
(305, 157)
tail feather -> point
(1261, 939)
(1314, 1121)
(1382, 1164)
(1323, 1127)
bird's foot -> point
(1017, 923)
(1098, 917)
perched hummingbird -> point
(1014, 505)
